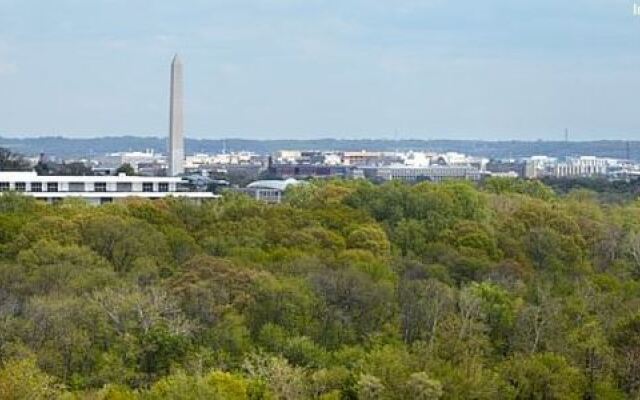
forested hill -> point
(347, 291)
(67, 147)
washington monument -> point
(176, 122)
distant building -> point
(361, 158)
(251, 171)
(582, 166)
(452, 158)
(310, 171)
(538, 166)
(311, 157)
(287, 156)
(269, 191)
(204, 160)
(506, 168)
(436, 173)
(96, 189)
(133, 158)
(418, 159)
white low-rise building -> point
(95, 189)
(269, 191)
(287, 156)
(417, 159)
(133, 158)
(202, 159)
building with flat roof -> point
(436, 173)
(581, 166)
(96, 189)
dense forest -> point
(348, 290)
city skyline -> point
(292, 69)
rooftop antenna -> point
(566, 142)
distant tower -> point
(176, 120)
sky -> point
(304, 69)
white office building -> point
(95, 189)
(581, 166)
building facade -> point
(95, 189)
(433, 173)
(581, 167)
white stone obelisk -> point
(176, 120)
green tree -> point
(215, 385)
(626, 342)
(370, 388)
(21, 380)
(126, 169)
(122, 240)
(543, 376)
(282, 380)
(10, 161)
(420, 386)
(370, 238)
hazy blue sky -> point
(490, 69)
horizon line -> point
(382, 139)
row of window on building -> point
(79, 187)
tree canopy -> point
(347, 290)
(10, 161)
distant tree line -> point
(79, 147)
(607, 190)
